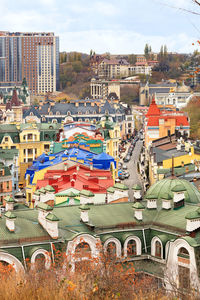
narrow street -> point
(132, 168)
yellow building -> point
(30, 139)
(157, 169)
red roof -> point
(180, 120)
(153, 109)
(96, 181)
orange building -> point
(5, 182)
(164, 123)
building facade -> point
(32, 55)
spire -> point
(15, 100)
(153, 109)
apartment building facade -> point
(30, 55)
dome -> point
(160, 188)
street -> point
(132, 168)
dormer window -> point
(68, 113)
(31, 114)
(57, 113)
(50, 113)
(87, 112)
(79, 112)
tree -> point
(146, 50)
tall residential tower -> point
(32, 55)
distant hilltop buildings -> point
(109, 68)
(32, 55)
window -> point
(46, 147)
(30, 151)
(7, 185)
(30, 136)
(131, 248)
(111, 249)
(6, 139)
(158, 249)
(83, 249)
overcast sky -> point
(116, 26)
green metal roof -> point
(44, 206)
(138, 205)
(136, 187)
(42, 190)
(193, 215)
(151, 197)
(9, 215)
(163, 186)
(179, 188)
(111, 190)
(120, 186)
(167, 196)
(49, 188)
(51, 217)
(37, 192)
(86, 193)
(84, 207)
(9, 199)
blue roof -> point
(100, 161)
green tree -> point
(146, 50)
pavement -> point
(132, 169)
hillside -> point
(75, 74)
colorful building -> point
(5, 182)
(162, 123)
(159, 235)
(61, 160)
(31, 140)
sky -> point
(115, 26)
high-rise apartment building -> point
(32, 55)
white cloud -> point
(125, 42)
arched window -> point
(50, 113)
(184, 268)
(54, 121)
(83, 249)
(31, 114)
(43, 119)
(68, 113)
(111, 249)
(57, 113)
(131, 248)
(5, 268)
(40, 261)
(158, 249)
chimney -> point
(9, 203)
(52, 225)
(110, 194)
(193, 220)
(138, 208)
(65, 167)
(137, 191)
(151, 201)
(84, 213)
(166, 201)
(71, 197)
(179, 195)
(10, 221)
(86, 197)
(44, 210)
(72, 183)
